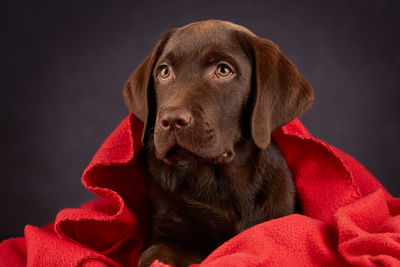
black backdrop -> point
(64, 64)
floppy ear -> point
(139, 89)
(280, 93)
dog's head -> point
(211, 84)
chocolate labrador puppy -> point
(209, 96)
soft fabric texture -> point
(348, 217)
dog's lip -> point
(225, 157)
(178, 153)
(227, 154)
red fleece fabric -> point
(349, 218)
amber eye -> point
(164, 73)
(224, 71)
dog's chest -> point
(204, 203)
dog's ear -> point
(280, 93)
(139, 89)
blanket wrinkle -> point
(43, 248)
(348, 217)
(328, 175)
(365, 241)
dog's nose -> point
(175, 119)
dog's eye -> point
(224, 71)
(164, 73)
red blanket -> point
(349, 218)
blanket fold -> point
(348, 217)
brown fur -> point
(220, 173)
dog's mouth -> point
(172, 148)
(179, 154)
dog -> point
(210, 94)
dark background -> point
(64, 64)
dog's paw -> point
(159, 253)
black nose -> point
(175, 119)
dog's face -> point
(202, 81)
(210, 84)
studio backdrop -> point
(64, 64)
